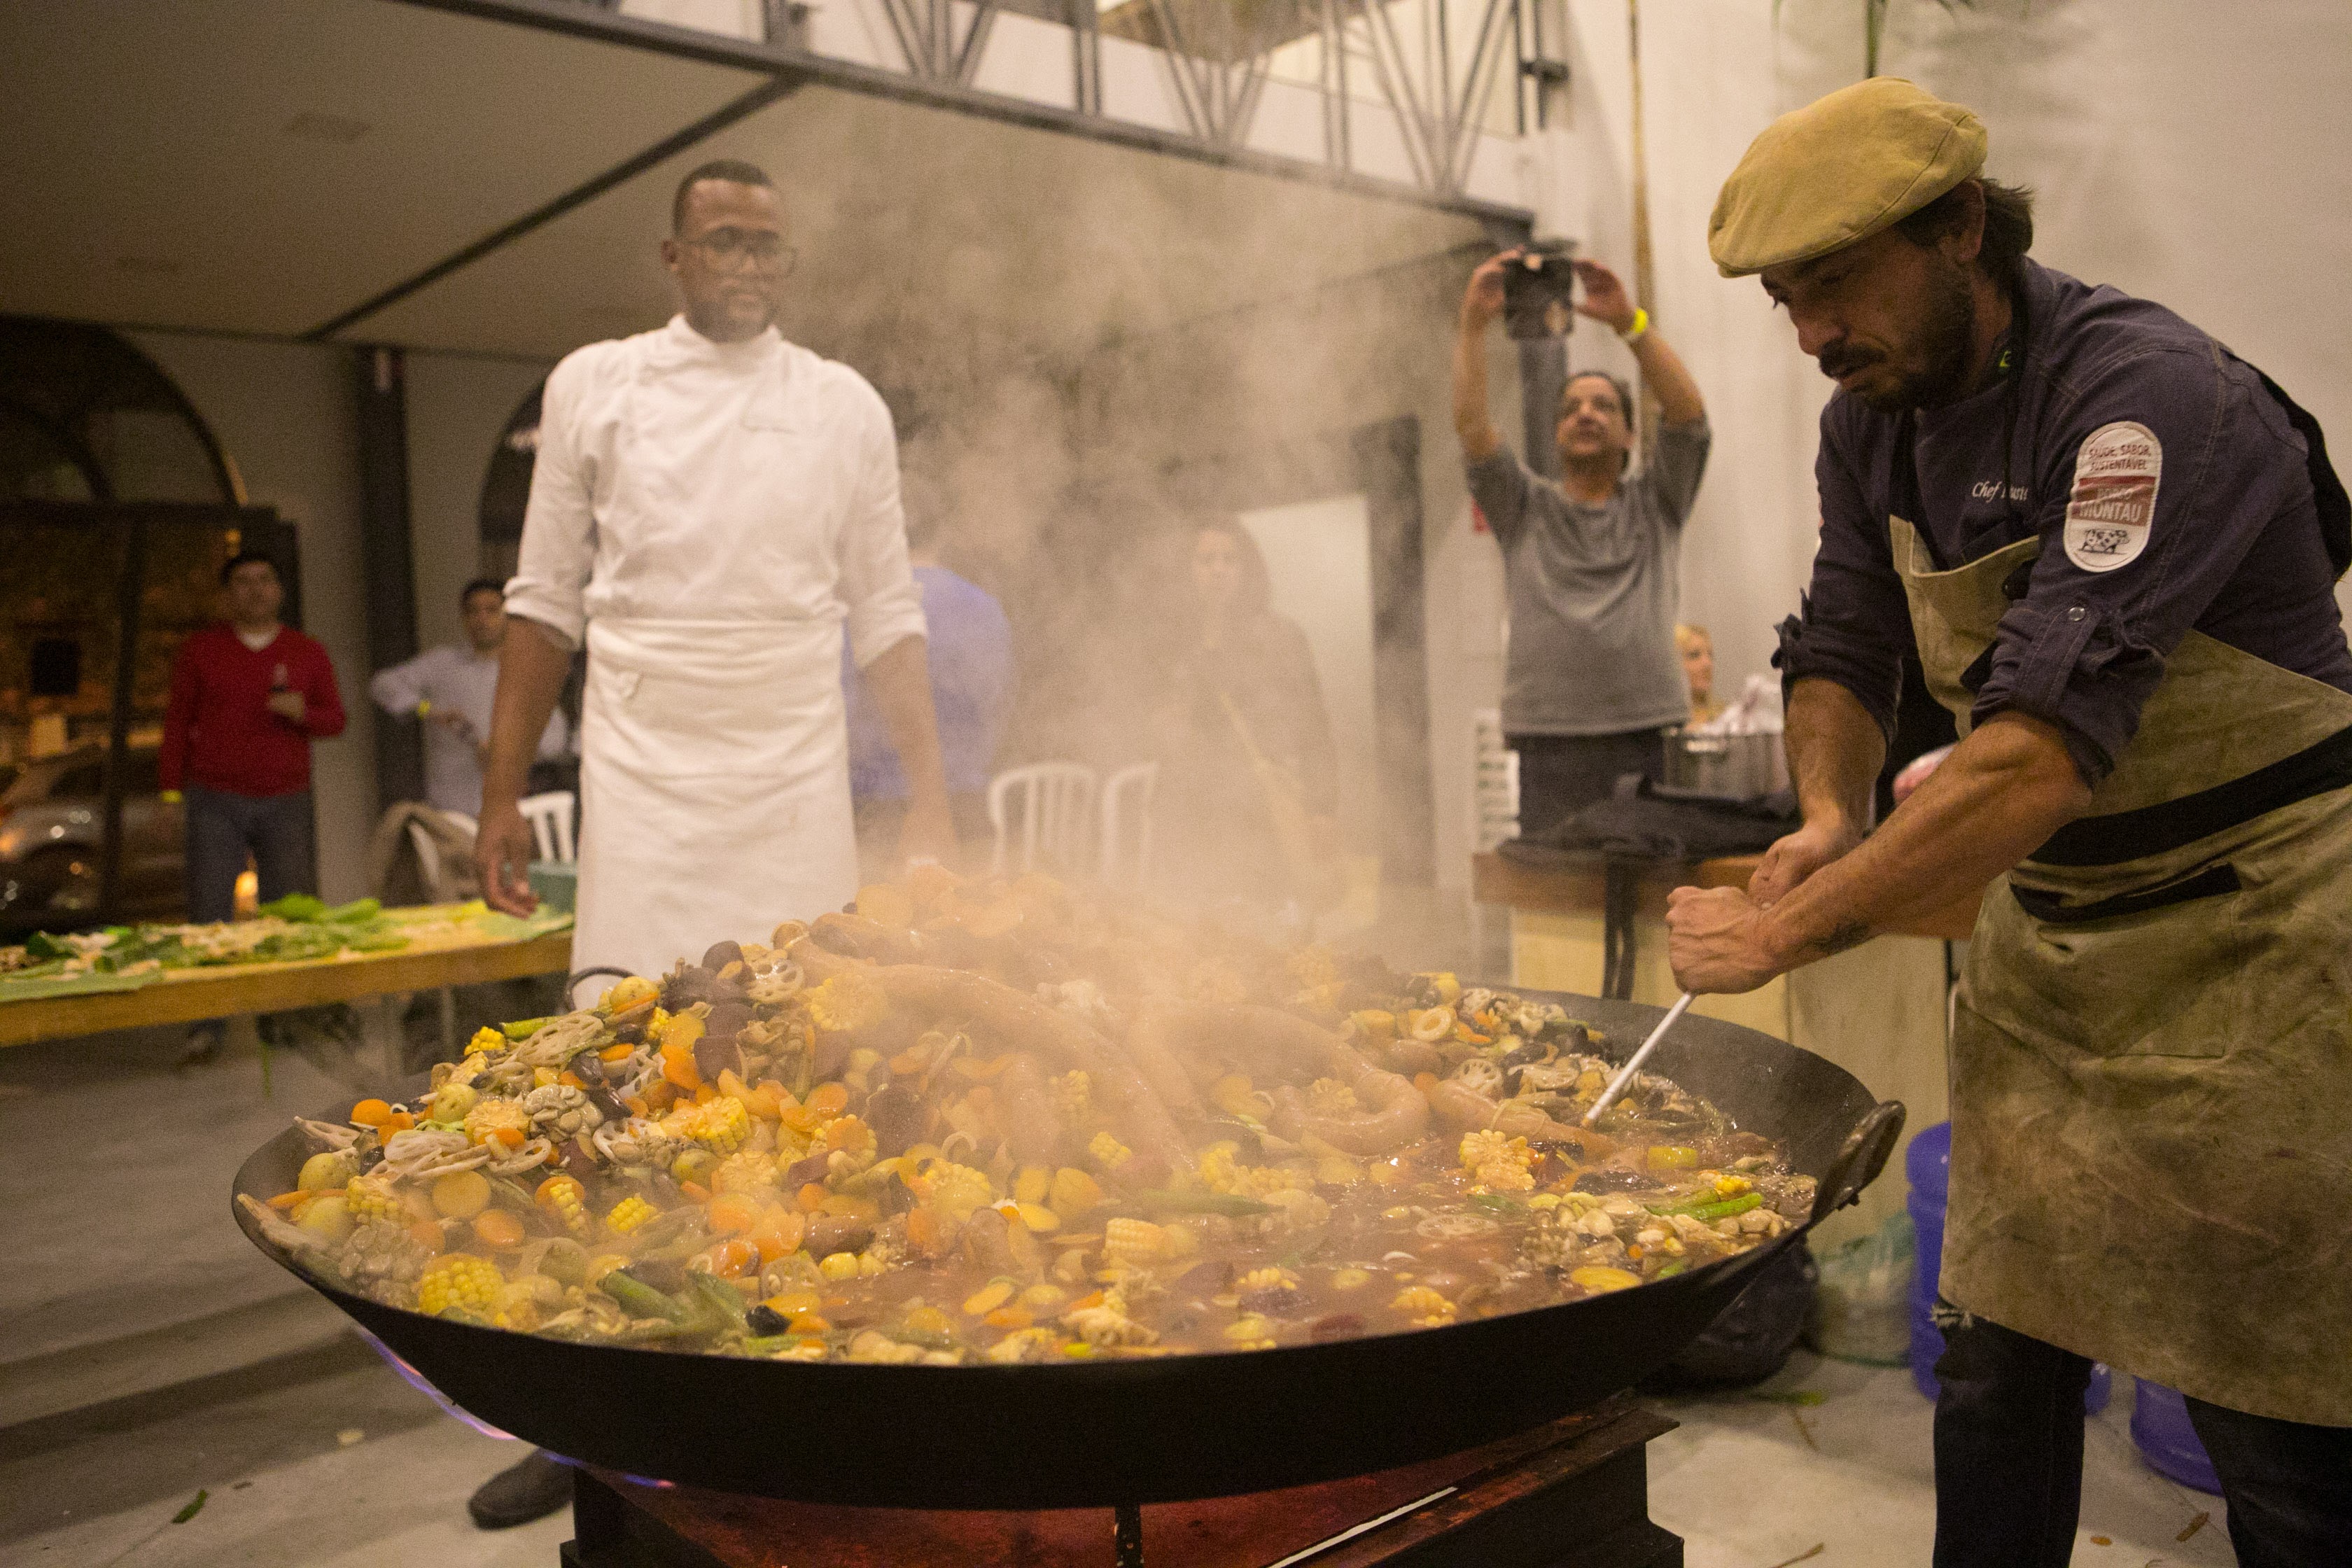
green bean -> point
(640, 1300)
(525, 1028)
(1230, 1205)
(1709, 1212)
(717, 1295)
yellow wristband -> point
(424, 707)
(1633, 334)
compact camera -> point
(1538, 288)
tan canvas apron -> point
(2152, 1111)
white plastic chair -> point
(1126, 824)
(549, 817)
(1055, 816)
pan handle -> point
(1858, 1162)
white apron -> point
(714, 762)
(714, 787)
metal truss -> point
(927, 36)
(1440, 105)
(1217, 55)
(1217, 65)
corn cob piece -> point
(563, 1198)
(628, 1214)
(460, 1279)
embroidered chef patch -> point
(2112, 507)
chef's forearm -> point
(534, 663)
(2003, 790)
(900, 680)
(1835, 754)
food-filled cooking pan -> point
(1092, 1434)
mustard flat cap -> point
(1839, 170)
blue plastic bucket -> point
(2159, 1424)
(1928, 1165)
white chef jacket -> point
(709, 517)
(455, 678)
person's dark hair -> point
(732, 170)
(244, 558)
(2008, 223)
(1624, 392)
(482, 585)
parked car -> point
(52, 827)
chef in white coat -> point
(711, 509)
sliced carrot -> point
(830, 1099)
(779, 1234)
(695, 1191)
(1424, 1081)
(679, 1069)
(638, 1107)
(734, 1256)
(510, 1136)
(619, 1053)
(812, 1197)
(569, 1079)
(398, 1121)
(371, 1113)
(425, 1234)
(923, 1230)
(1009, 1317)
(1092, 1298)
(906, 1063)
(731, 1213)
(288, 1200)
(496, 1227)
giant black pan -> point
(1137, 1431)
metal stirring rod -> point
(1626, 1074)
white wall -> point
(1353, 353)
(2186, 152)
(1319, 564)
(284, 412)
(458, 405)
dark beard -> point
(1947, 323)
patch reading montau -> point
(2112, 508)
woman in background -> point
(1248, 782)
(1698, 652)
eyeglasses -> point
(731, 247)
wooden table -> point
(189, 996)
(1878, 1010)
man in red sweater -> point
(248, 698)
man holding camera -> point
(1591, 680)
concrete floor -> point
(148, 1351)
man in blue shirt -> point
(971, 652)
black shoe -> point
(522, 1493)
